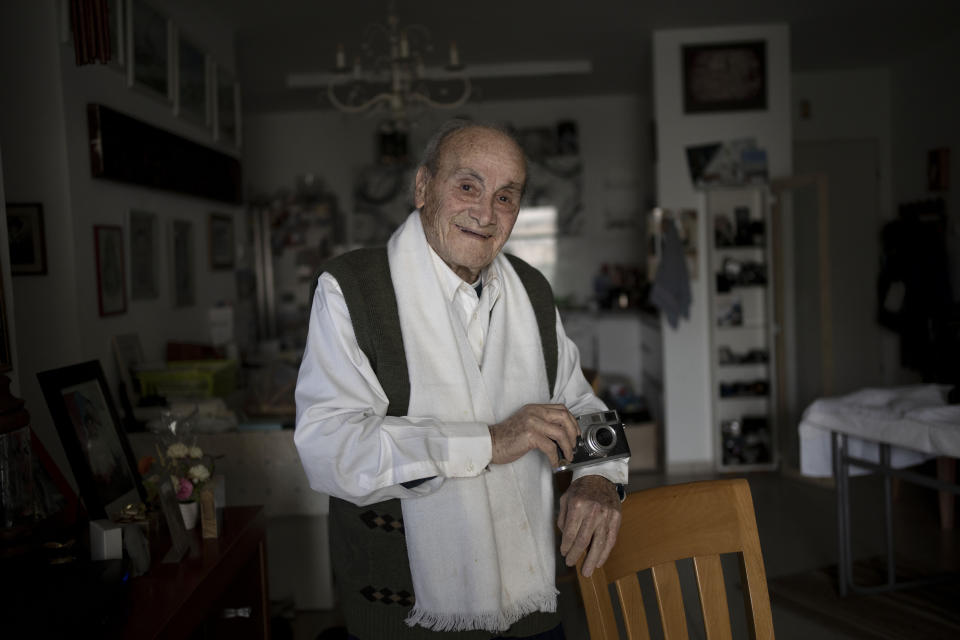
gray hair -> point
(434, 147)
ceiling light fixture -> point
(390, 71)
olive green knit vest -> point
(368, 547)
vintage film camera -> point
(601, 439)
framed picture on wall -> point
(96, 446)
(184, 278)
(28, 247)
(220, 241)
(6, 357)
(149, 40)
(111, 284)
(725, 76)
(191, 94)
(227, 112)
(144, 256)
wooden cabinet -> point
(219, 590)
(741, 320)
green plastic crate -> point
(196, 378)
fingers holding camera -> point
(589, 520)
(535, 426)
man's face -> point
(469, 207)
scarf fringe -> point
(486, 621)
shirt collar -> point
(450, 282)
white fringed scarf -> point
(481, 549)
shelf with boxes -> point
(741, 312)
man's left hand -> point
(589, 518)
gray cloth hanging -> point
(671, 286)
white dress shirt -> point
(352, 450)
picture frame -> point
(227, 106)
(128, 354)
(25, 234)
(724, 76)
(191, 97)
(96, 446)
(116, 14)
(938, 169)
(184, 277)
(144, 255)
(149, 40)
(111, 281)
(220, 241)
(6, 355)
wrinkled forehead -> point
(479, 142)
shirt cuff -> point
(467, 449)
(616, 471)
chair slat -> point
(713, 597)
(666, 581)
(631, 604)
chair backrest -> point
(698, 520)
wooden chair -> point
(698, 520)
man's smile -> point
(478, 234)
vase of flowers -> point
(188, 469)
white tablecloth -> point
(915, 419)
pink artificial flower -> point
(185, 490)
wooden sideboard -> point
(219, 589)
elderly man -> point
(436, 388)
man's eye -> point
(466, 187)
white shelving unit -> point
(742, 329)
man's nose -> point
(484, 213)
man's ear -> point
(420, 187)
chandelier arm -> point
(360, 108)
(459, 102)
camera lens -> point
(600, 439)
(604, 438)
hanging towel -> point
(671, 286)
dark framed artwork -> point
(191, 95)
(96, 446)
(144, 256)
(725, 76)
(149, 35)
(227, 113)
(28, 246)
(111, 284)
(6, 357)
(938, 169)
(184, 278)
(220, 241)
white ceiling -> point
(277, 37)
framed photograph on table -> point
(144, 256)
(96, 446)
(111, 284)
(725, 76)
(221, 242)
(28, 247)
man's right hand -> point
(535, 426)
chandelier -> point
(391, 72)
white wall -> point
(926, 101)
(614, 146)
(689, 434)
(43, 134)
(850, 104)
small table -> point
(221, 586)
